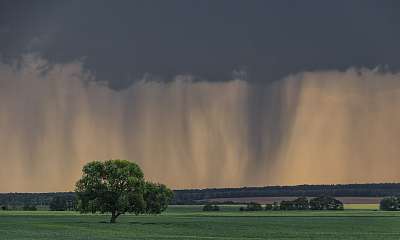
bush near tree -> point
(119, 187)
(156, 196)
(390, 204)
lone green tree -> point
(115, 186)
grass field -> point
(189, 222)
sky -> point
(200, 93)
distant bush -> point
(29, 207)
(210, 207)
(4, 207)
(268, 207)
(390, 204)
(275, 206)
(301, 203)
(325, 203)
(286, 205)
(252, 206)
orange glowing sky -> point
(311, 127)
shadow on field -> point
(150, 223)
(137, 223)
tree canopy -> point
(157, 196)
(118, 186)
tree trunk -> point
(114, 216)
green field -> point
(189, 222)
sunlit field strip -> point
(190, 222)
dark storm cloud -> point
(219, 118)
(122, 40)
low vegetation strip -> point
(301, 203)
(265, 200)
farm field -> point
(189, 222)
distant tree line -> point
(196, 196)
(31, 201)
(62, 203)
(301, 203)
(29, 207)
